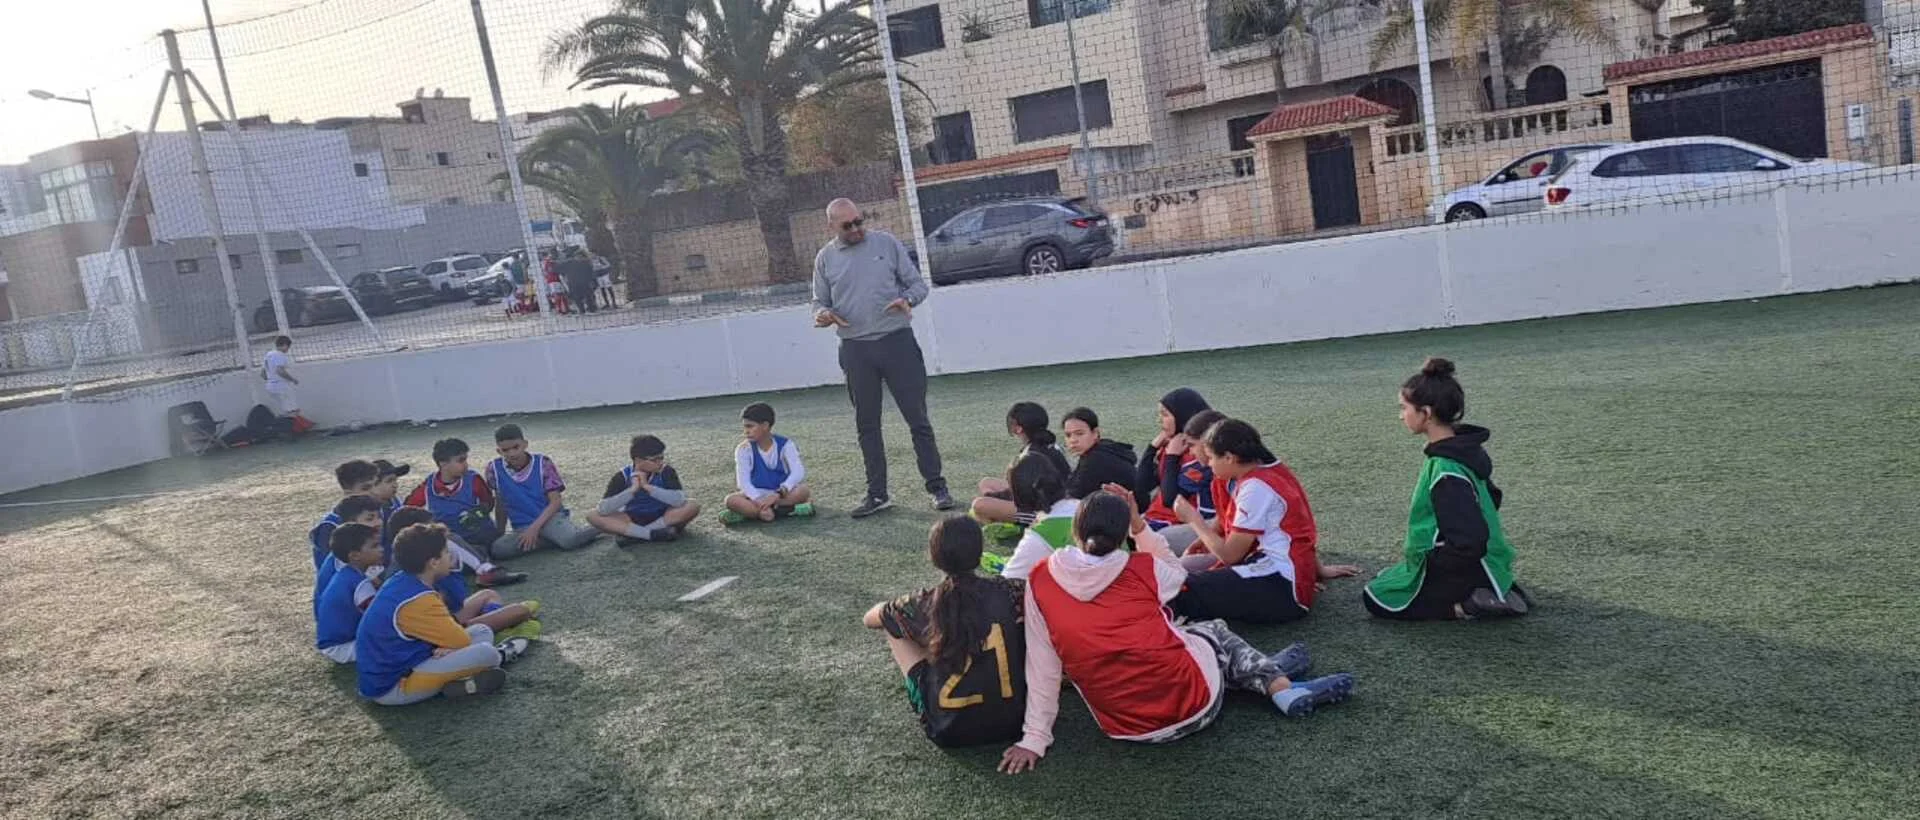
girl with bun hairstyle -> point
(1457, 563)
(1096, 613)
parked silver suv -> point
(1012, 237)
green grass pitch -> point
(1717, 509)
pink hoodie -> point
(1084, 577)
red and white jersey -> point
(1270, 505)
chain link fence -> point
(398, 176)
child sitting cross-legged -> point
(461, 499)
(1027, 422)
(529, 489)
(768, 470)
(408, 648)
(337, 618)
(485, 607)
(643, 501)
(960, 644)
(1096, 614)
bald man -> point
(865, 288)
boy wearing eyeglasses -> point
(644, 501)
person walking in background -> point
(578, 273)
(280, 382)
(603, 278)
(865, 288)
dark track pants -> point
(895, 361)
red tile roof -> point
(1817, 38)
(1318, 113)
(663, 108)
(985, 164)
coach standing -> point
(866, 288)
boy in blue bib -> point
(462, 500)
(529, 487)
(408, 648)
(643, 501)
(768, 471)
(337, 618)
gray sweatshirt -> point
(857, 282)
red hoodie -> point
(1101, 621)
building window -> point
(442, 159)
(360, 169)
(402, 157)
(1546, 84)
(1047, 12)
(492, 155)
(953, 138)
(696, 261)
(452, 200)
(413, 113)
(186, 266)
(1237, 129)
(290, 256)
(1393, 94)
(233, 260)
(1051, 113)
(916, 32)
(348, 251)
(499, 196)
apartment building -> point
(434, 153)
(61, 205)
(1163, 82)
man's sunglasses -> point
(851, 224)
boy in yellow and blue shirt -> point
(408, 648)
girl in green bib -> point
(1457, 562)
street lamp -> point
(88, 102)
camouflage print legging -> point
(1241, 666)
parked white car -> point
(1681, 167)
(1516, 188)
(448, 275)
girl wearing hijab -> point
(1172, 469)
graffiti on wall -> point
(1152, 203)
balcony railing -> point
(1501, 126)
(1225, 169)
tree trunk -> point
(1279, 72)
(766, 175)
(634, 236)
(600, 241)
(1496, 61)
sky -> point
(303, 59)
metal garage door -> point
(1781, 107)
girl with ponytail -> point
(960, 643)
(1027, 422)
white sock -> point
(645, 532)
(469, 560)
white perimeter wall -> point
(1798, 239)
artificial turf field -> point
(1717, 510)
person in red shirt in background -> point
(1097, 614)
(551, 273)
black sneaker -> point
(943, 500)
(485, 683)
(871, 506)
(1483, 603)
(498, 577)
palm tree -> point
(1484, 25)
(605, 165)
(1283, 26)
(742, 65)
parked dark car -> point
(1030, 236)
(406, 287)
(314, 305)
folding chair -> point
(195, 429)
